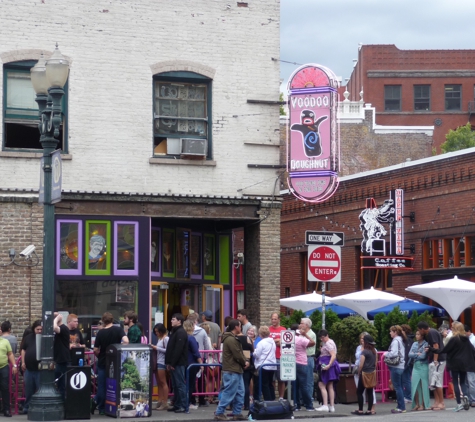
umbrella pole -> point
(323, 305)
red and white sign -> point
(324, 263)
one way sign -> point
(324, 238)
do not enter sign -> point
(324, 263)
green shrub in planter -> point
(345, 334)
(384, 322)
(316, 318)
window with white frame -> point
(392, 98)
(20, 110)
(182, 115)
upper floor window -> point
(392, 98)
(20, 110)
(421, 97)
(182, 115)
(448, 252)
(453, 97)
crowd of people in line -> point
(248, 357)
(241, 363)
(417, 363)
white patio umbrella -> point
(366, 300)
(454, 294)
(304, 302)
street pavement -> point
(342, 412)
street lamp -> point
(48, 79)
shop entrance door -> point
(213, 300)
(159, 300)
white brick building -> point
(143, 75)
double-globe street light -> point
(48, 79)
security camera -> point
(27, 251)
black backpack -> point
(267, 410)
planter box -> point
(346, 389)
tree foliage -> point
(384, 322)
(345, 334)
(316, 317)
(282, 109)
(131, 377)
(458, 139)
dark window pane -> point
(392, 98)
(453, 97)
(421, 97)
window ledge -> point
(262, 144)
(182, 162)
(20, 154)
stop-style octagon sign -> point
(324, 263)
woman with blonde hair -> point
(460, 360)
(263, 355)
(396, 368)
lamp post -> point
(48, 79)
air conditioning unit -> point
(194, 147)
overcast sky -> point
(328, 32)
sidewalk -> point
(207, 413)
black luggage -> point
(267, 410)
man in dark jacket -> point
(233, 363)
(176, 359)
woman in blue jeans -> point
(396, 348)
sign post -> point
(324, 259)
(288, 365)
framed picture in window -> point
(97, 248)
(168, 253)
(155, 248)
(209, 257)
(196, 256)
(126, 245)
(125, 293)
(183, 253)
(69, 251)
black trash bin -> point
(77, 401)
(128, 381)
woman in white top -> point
(264, 354)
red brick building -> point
(438, 190)
(416, 87)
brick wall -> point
(263, 264)
(439, 190)
(115, 48)
(21, 224)
(380, 65)
(363, 148)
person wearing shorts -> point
(436, 365)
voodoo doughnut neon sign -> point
(313, 156)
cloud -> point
(328, 32)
